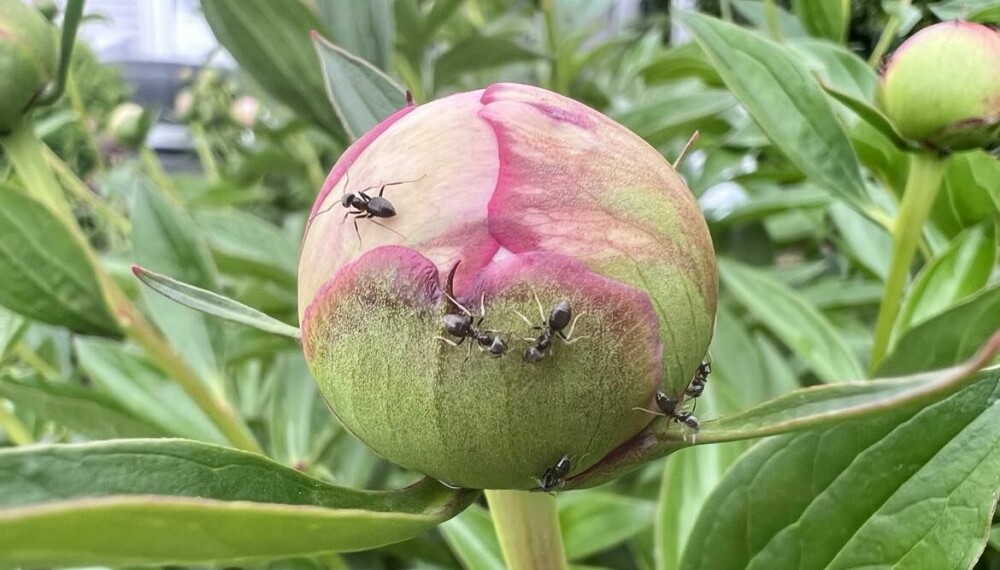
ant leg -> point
(541, 311)
(449, 341)
(482, 309)
(651, 412)
(357, 231)
(525, 319)
(385, 227)
(568, 338)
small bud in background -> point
(129, 124)
(28, 59)
(942, 86)
(184, 105)
(245, 111)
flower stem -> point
(888, 33)
(926, 173)
(557, 81)
(527, 525)
(16, 431)
(80, 190)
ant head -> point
(666, 404)
(498, 347)
(691, 422)
(562, 467)
(532, 354)
(346, 200)
(560, 316)
(457, 325)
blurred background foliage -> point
(797, 308)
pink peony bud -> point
(519, 193)
(245, 111)
(942, 86)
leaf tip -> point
(138, 270)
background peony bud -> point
(129, 124)
(245, 111)
(942, 86)
(534, 194)
(28, 59)
(184, 105)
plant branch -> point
(527, 526)
(77, 188)
(926, 173)
(71, 22)
(557, 80)
(888, 34)
(16, 431)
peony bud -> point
(184, 105)
(942, 86)
(245, 111)
(129, 124)
(502, 196)
(28, 59)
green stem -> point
(16, 431)
(771, 11)
(922, 184)
(154, 169)
(31, 358)
(205, 153)
(27, 154)
(140, 331)
(77, 188)
(71, 22)
(888, 34)
(557, 80)
(726, 10)
(80, 116)
(527, 525)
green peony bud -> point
(129, 124)
(942, 86)
(28, 59)
(519, 204)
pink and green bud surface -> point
(942, 86)
(525, 194)
(28, 59)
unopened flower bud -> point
(28, 60)
(129, 124)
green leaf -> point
(985, 11)
(270, 40)
(12, 328)
(786, 101)
(756, 12)
(765, 205)
(300, 419)
(879, 155)
(688, 480)
(242, 243)
(166, 240)
(838, 67)
(365, 28)
(872, 116)
(971, 192)
(475, 53)
(815, 407)
(361, 94)
(865, 241)
(791, 319)
(213, 304)
(45, 274)
(473, 539)
(132, 502)
(679, 63)
(594, 521)
(955, 274)
(947, 338)
(144, 391)
(827, 19)
(910, 489)
(688, 111)
(85, 411)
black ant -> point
(671, 409)
(462, 326)
(559, 318)
(367, 207)
(555, 477)
(697, 386)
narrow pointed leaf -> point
(361, 94)
(786, 101)
(132, 502)
(473, 539)
(213, 304)
(826, 19)
(809, 408)
(793, 320)
(476, 53)
(914, 488)
(44, 273)
(366, 28)
(872, 116)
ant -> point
(367, 207)
(461, 326)
(670, 408)
(697, 386)
(555, 477)
(553, 326)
